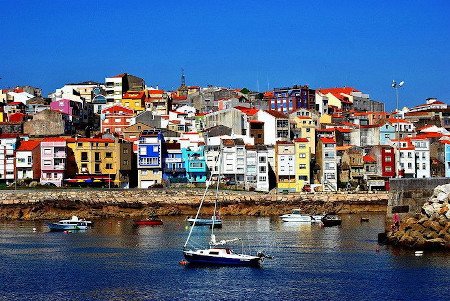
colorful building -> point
(326, 157)
(195, 164)
(116, 118)
(302, 163)
(285, 166)
(28, 160)
(8, 144)
(149, 160)
(174, 168)
(134, 100)
(53, 160)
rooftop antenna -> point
(257, 81)
(183, 78)
(268, 81)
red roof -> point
(369, 159)
(115, 109)
(120, 75)
(54, 139)
(255, 121)
(28, 145)
(301, 140)
(397, 120)
(14, 103)
(91, 140)
(16, 117)
(276, 114)
(337, 92)
(134, 95)
(327, 140)
(247, 111)
(155, 91)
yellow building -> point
(99, 159)
(134, 100)
(285, 166)
(325, 119)
(302, 163)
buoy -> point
(34, 229)
(183, 262)
(418, 253)
(66, 232)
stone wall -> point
(56, 203)
(409, 195)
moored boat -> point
(214, 220)
(330, 220)
(221, 256)
(73, 224)
(297, 216)
(151, 221)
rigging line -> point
(199, 208)
(219, 159)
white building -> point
(28, 160)
(327, 160)
(114, 88)
(422, 154)
(8, 143)
(276, 126)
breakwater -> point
(59, 203)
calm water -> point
(115, 261)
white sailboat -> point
(217, 253)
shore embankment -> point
(90, 203)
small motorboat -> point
(213, 220)
(151, 221)
(364, 219)
(222, 256)
(297, 216)
(73, 224)
(330, 220)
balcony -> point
(59, 155)
(173, 160)
(174, 170)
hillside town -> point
(123, 133)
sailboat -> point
(216, 253)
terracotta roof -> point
(9, 135)
(369, 159)
(14, 103)
(337, 92)
(134, 95)
(301, 140)
(247, 111)
(54, 139)
(91, 140)
(255, 121)
(120, 75)
(327, 140)
(343, 147)
(155, 91)
(276, 114)
(28, 145)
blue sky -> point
(363, 44)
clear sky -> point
(358, 43)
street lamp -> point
(396, 86)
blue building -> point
(174, 170)
(387, 133)
(149, 158)
(447, 158)
(195, 164)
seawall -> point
(56, 203)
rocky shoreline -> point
(54, 204)
(429, 229)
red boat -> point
(152, 221)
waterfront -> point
(115, 261)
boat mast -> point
(219, 159)
(199, 208)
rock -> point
(443, 210)
(428, 209)
(435, 243)
(422, 220)
(433, 225)
(407, 240)
(417, 227)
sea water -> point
(117, 261)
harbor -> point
(115, 261)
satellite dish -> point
(401, 83)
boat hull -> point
(148, 223)
(59, 228)
(301, 218)
(205, 222)
(330, 221)
(250, 261)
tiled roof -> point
(9, 135)
(247, 111)
(337, 92)
(276, 114)
(328, 140)
(91, 140)
(301, 140)
(54, 139)
(28, 145)
(134, 95)
(369, 159)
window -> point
(143, 172)
(97, 168)
(47, 151)
(143, 151)
(84, 156)
(117, 120)
(97, 156)
(262, 178)
(155, 148)
(196, 165)
(125, 150)
(80, 144)
(330, 176)
(302, 155)
(303, 178)
(109, 166)
(424, 166)
(108, 155)
(262, 159)
(388, 169)
(409, 165)
(388, 159)
(409, 154)
(262, 169)
(47, 162)
(302, 166)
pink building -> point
(53, 160)
(72, 108)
